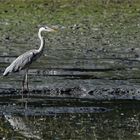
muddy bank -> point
(90, 89)
(94, 55)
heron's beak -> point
(54, 30)
(51, 30)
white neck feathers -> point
(42, 41)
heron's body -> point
(26, 59)
(22, 62)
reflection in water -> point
(91, 123)
(18, 124)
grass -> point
(112, 22)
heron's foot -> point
(25, 93)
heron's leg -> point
(26, 79)
(23, 82)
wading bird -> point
(25, 60)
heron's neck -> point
(42, 42)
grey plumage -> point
(26, 59)
(22, 62)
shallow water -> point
(72, 119)
(90, 56)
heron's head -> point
(47, 29)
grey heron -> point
(25, 60)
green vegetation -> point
(29, 14)
(93, 30)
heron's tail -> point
(6, 72)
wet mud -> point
(91, 56)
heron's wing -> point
(24, 60)
(21, 62)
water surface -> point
(71, 119)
